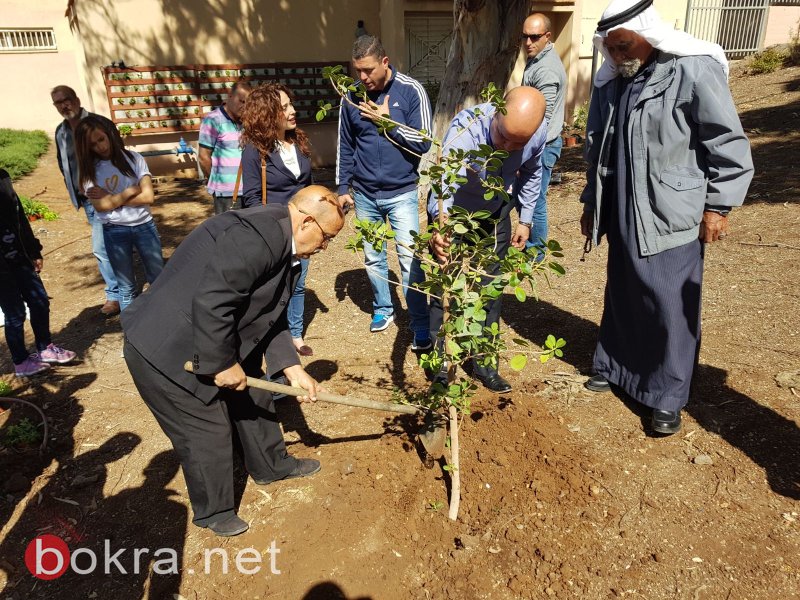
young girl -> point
(20, 263)
(117, 181)
(270, 133)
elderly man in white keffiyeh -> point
(667, 161)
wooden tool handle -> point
(271, 386)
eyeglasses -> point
(326, 237)
(534, 37)
(62, 101)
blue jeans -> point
(120, 242)
(403, 214)
(21, 286)
(99, 251)
(551, 153)
(297, 303)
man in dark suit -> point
(221, 301)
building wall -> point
(782, 23)
(28, 77)
(247, 31)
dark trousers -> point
(21, 285)
(503, 237)
(202, 436)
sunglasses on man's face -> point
(534, 37)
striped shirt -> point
(220, 134)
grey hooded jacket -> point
(688, 151)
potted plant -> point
(35, 210)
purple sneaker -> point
(30, 366)
(55, 355)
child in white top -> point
(117, 182)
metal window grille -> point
(27, 40)
(428, 39)
(736, 25)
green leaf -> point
(488, 195)
(518, 362)
(460, 229)
(543, 358)
(550, 342)
(519, 292)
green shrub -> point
(580, 117)
(766, 61)
(23, 433)
(20, 150)
(40, 210)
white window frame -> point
(27, 39)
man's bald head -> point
(321, 203)
(524, 115)
(316, 219)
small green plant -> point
(37, 210)
(125, 130)
(580, 117)
(147, 100)
(469, 277)
(151, 88)
(132, 101)
(120, 101)
(435, 505)
(767, 61)
(24, 433)
(179, 86)
(5, 389)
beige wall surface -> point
(153, 32)
(783, 22)
(28, 77)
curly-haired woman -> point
(275, 151)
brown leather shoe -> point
(110, 308)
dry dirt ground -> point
(565, 494)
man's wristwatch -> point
(528, 225)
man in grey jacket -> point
(667, 161)
(545, 72)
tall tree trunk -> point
(485, 47)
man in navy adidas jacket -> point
(382, 174)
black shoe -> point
(304, 468)
(666, 421)
(597, 383)
(495, 383)
(229, 527)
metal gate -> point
(736, 25)
(428, 40)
